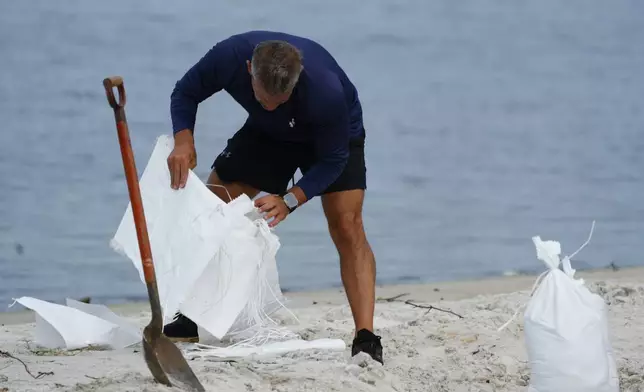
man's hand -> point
(182, 158)
(274, 207)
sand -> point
(423, 350)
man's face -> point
(268, 102)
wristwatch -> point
(291, 201)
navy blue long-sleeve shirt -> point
(324, 108)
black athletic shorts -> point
(266, 164)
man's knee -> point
(343, 212)
(347, 228)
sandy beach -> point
(424, 350)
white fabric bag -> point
(214, 261)
(186, 228)
(230, 295)
(566, 331)
(79, 325)
(127, 333)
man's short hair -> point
(277, 66)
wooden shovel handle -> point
(131, 174)
(109, 83)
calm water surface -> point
(488, 122)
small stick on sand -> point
(40, 374)
(392, 299)
(430, 307)
(396, 298)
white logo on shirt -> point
(291, 123)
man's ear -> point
(249, 67)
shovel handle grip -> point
(109, 83)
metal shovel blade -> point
(166, 362)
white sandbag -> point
(224, 287)
(215, 262)
(566, 331)
(239, 288)
(63, 327)
(185, 228)
(265, 296)
(270, 349)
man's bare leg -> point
(343, 211)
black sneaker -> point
(182, 329)
(369, 343)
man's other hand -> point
(182, 158)
(272, 206)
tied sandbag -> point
(566, 331)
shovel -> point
(163, 358)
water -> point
(488, 122)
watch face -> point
(290, 200)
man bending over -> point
(303, 112)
